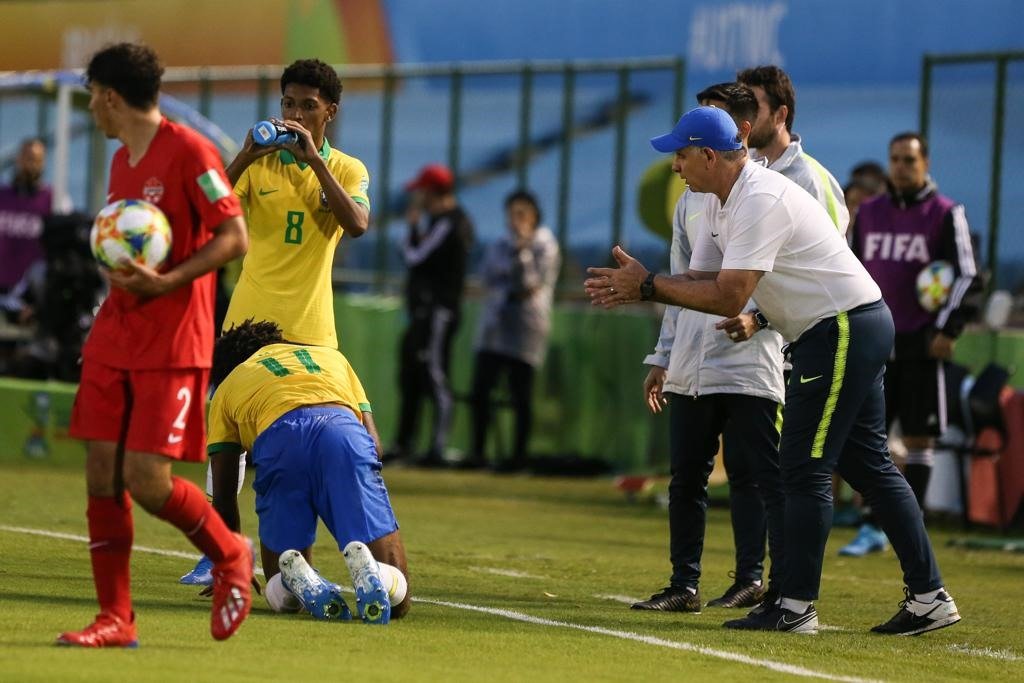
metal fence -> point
(207, 88)
(1001, 62)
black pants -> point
(423, 374)
(834, 420)
(519, 378)
(750, 439)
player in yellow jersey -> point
(299, 200)
(300, 411)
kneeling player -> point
(300, 411)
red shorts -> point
(155, 411)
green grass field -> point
(516, 579)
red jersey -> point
(181, 173)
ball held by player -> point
(133, 230)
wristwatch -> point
(762, 322)
(647, 287)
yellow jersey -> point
(273, 381)
(286, 274)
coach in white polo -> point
(769, 240)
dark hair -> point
(740, 101)
(131, 70)
(910, 135)
(315, 74)
(777, 87)
(241, 341)
(522, 195)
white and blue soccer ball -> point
(130, 229)
(933, 284)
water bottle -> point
(270, 133)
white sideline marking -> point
(625, 599)
(780, 667)
(506, 572)
(85, 539)
(1005, 655)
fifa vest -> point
(895, 243)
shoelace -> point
(907, 597)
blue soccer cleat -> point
(318, 596)
(372, 601)
(869, 539)
(201, 574)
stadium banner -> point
(62, 34)
(34, 419)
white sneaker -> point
(318, 596)
(372, 601)
(915, 617)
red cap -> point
(434, 177)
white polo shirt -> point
(771, 224)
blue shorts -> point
(319, 461)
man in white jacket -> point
(714, 387)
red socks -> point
(110, 547)
(188, 509)
(111, 533)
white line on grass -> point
(85, 539)
(625, 599)
(781, 667)
(1005, 655)
(506, 572)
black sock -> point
(917, 476)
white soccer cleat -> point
(372, 601)
(318, 596)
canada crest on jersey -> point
(153, 190)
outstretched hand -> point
(611, 287)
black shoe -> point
(509, 466)
(740, 594)
(768, 600)
(776, 618)
(470, 464)
(672, 599)
(432, 460)
(915, 618)
(393, 455)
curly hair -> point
(315, 74)
(237, 344)
(777, 86)
(131, 70)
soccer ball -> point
(933, 284)
(130, 229)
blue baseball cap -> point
(702, 127)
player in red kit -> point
(146, 362)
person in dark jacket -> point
(435, 251)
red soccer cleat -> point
(107, 631)
(232, 596)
